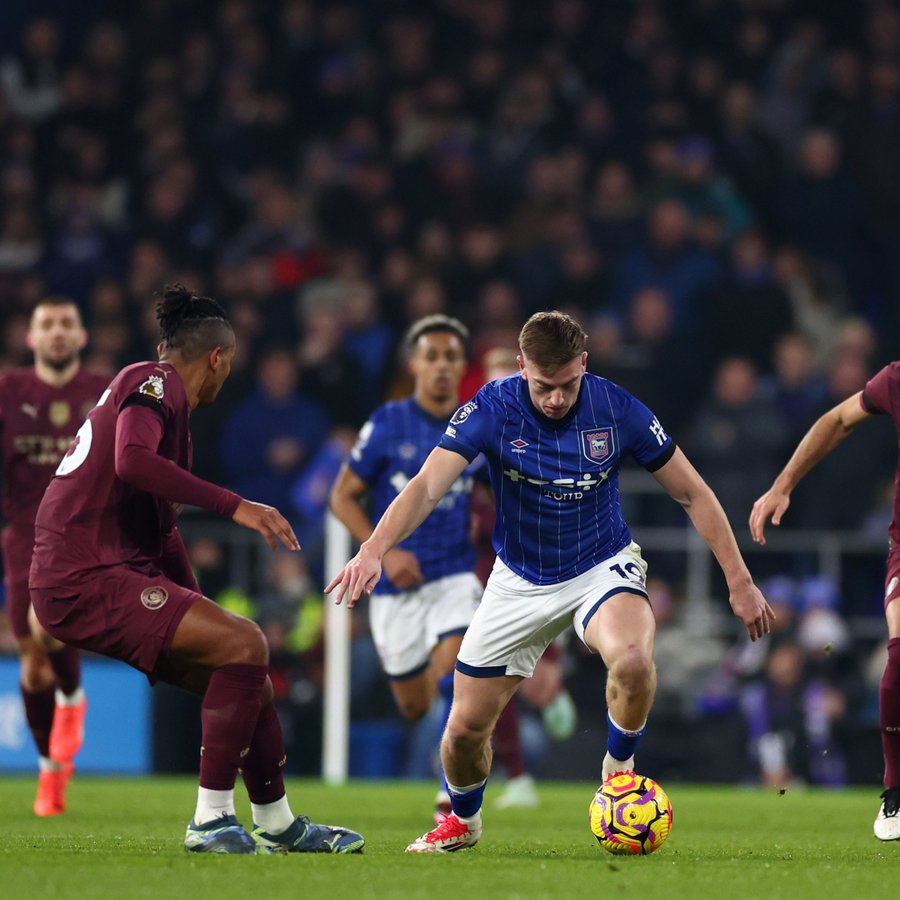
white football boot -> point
(450, 835)
(887, 822)
(611, 765)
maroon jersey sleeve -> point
(877, 394)
(117, 492)
(139, 431)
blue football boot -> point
(222, 835)
(304, 836)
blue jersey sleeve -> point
(650, 445)
(367, 458)
(469, 427)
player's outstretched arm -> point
(270, 523)
(345, 501)
(684, 484)
(410, 508)
(824, 435)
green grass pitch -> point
(121, 838)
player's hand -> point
(402, 568)
(270, 523)
(752, 609)
(358, 577)
(772, 505)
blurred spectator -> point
(795, 388)
(30, 77)
(271, 434)
(669, 260)
(614, 216)
(737, 439)
(820, 209)
(704, 192)
(750, 310)
(330, 371)
(309, 493)
(748, 153)
(792, 721)
(654, 364)
(816, 300)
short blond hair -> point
(550, 339)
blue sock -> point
(620, 743)
(466, 801)
(445, 687)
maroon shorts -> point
(18, 545)
(126, 612)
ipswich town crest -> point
(597, 444)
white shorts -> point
(407, 626)
(517, 619)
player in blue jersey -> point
(428, 593)
(554, 437)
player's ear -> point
(521, 361)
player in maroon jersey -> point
(40, 408)
(881, 396)
(110, 574)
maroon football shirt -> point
(38, 422)
(90, 517)
(882, 396)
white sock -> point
(471, 820)
(213, 805)
(45, 764)
(273, 818)
(74, 699)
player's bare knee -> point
(466, 736)
(248, 645)
(633, 672)
(35, 673)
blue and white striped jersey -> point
(390, 449)
(556, 482)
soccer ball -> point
(630, 814)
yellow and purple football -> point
(630, 814)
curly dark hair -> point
(189, 324)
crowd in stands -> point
(710, 186)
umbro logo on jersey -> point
(30, 410)
(518, 445)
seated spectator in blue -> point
(270, 436)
